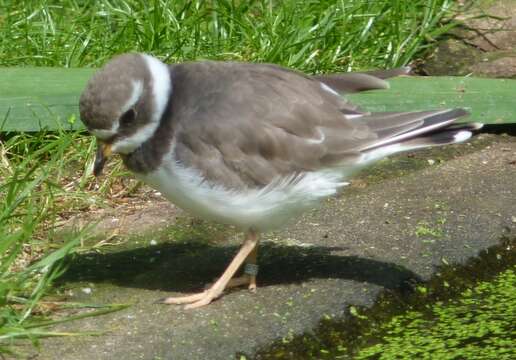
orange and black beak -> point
(103, 153)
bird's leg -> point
(251, 269)
(250, 272)
(205, 297)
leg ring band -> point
(251, 269)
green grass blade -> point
(17, 333)
(102, 310)
(59, 254)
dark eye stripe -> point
(127, 117)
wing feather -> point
(246, 125)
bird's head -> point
(123, 103)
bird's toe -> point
(184, 299)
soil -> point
(484, 46)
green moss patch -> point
(479, 324)
(463, 312)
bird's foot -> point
(248, 249)
(178, 300)
(195, 300)
(211, 293)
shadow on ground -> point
(184, 267)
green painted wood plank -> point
(491, 101)
(36, 98)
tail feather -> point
(425, 122)
(438, 138)
(429, 129)
(397, 131)
(466, 126)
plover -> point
(250, 145)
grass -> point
(25, 193)
(45, 177)
(310, 35)
(34, 189)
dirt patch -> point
(484, 46)
(142, 212)
(490, 26)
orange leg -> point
(203, 298)
(250, 272)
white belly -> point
(261, 209)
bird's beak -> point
(103, 153)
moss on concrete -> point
(462, 312)
(476, 325)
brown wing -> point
(243, 125)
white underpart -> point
(329, 89)
(261, 209)
(161, 91)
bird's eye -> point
(128, 117)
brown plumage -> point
(248, 144)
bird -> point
(247, 144)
